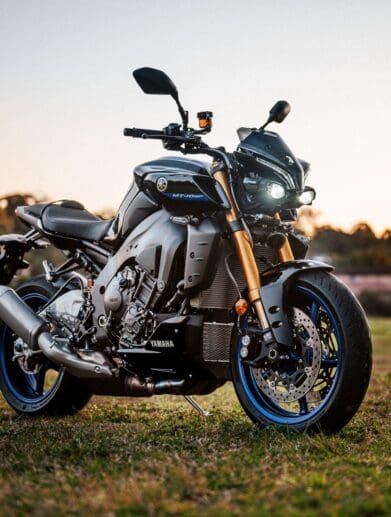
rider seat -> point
(70, 219)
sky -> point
(66, 91)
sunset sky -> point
(66, 91)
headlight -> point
(276, 191)
(307, 196)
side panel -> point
(155, 233)
(202, 246)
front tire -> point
(346, 362)
(42, 388)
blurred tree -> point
(308, 221)
(358, 249)
(106, 213)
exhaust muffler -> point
(34, 331)
(17, 315)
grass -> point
(157, 457)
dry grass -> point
(157, 457)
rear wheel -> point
(34, 385)
(321, 382)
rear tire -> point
(25, 392)
(352, 369)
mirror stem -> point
(265, 124)
(184, 114)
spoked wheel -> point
(30, 383)
(319, 383)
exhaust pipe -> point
(137, 387)
(58, 352)
(17, 315)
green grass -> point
(156, 457)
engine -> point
(129, 300)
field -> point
(157, 457)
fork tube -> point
(285, 253)
(244, 250)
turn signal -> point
(241, 307)
(205, 119)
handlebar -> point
(136, 132)
(186, 144)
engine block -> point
(129, 300)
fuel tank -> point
(181, 185)
(135, 207)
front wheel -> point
(321, 381)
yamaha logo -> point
(162, 343)
(161, 184)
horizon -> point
(68, 92)
(320, 223)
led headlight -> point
(276, 191)
(307, 196)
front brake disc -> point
(289, 386)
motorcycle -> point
(200, 279)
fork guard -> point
(13, 246)
(275, 283)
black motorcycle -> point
(199, 279)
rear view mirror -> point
(155, 82)
(279, 111)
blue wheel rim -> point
(26, 388)
(267, 407)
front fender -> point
(275, 283)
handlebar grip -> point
(136, 132)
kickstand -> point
(196, 406)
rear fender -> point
(276, 282)
(13, 246)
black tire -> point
(68, 394)
(351, 383)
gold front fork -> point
(244, 250)
(285, 252)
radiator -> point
(222, 293)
